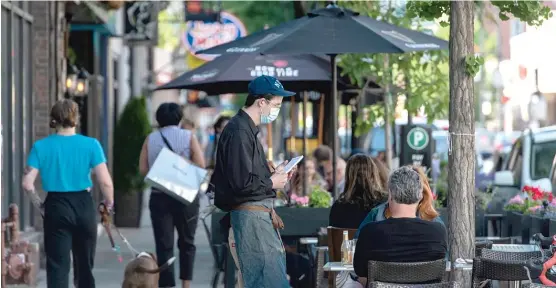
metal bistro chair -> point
(500, 265)
(377, 284)
(406, 273)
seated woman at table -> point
(425, 209)
(402, 237)
(307, 167)
(365, 188)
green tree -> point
(464, 64)
(421, 76)
(256, 14)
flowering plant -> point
(299, 201)
(533, 200)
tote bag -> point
(175, 175)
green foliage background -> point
(130, 133)
(422, 76)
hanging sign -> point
(201, 35)
(278, 68)
(140, 21)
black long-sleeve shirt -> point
(241, 172)
(399, 240)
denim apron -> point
(261, 254)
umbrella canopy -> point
(332, 31)
(232, 74)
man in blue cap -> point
(245, 186)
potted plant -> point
(519, 209)
(129, 134)
(309, 215)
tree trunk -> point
(461, 162)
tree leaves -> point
(421, 76)
(473, 64)
(531, 12)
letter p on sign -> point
(417, 138)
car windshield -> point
(541, 162)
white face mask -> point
(274, 112)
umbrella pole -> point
(387, 124)
(294, 126)
(321, 118)
(334, 127)
(305, 141)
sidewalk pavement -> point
(109, 272)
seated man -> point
(340, 175)
(402, 237)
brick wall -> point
(49, 54)
(48, 66)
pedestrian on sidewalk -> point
(168, 213)
(244, 186)
(64, 161)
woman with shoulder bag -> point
(64, 161)
(168, 213)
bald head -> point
(340, 171)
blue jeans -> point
(261, 254)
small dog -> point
(143, 271)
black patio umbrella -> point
(232, 74)
(332, 31)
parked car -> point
(529, 163)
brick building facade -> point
(33, 73)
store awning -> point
(92, 13)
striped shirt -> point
(179, 139)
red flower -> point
(434, 197)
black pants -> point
(69, 224)
(168, 213)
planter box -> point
(479, 219)
(129, 207)
(551, 227)
(298, 222)
(540, 225)
(512, 224)
(526, 223)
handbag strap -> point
(166, 142)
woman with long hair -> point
(64, 161)
(425, 210)
(168, 213)
(365, 188)
(306, 168)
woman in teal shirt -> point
(64, 161)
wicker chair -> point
(501, 265)
(406, 273)
(501, 270)
(377, 284)
(480, 245)
(508, 256)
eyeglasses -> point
(275, 105)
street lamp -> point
(71, 80)
(82, 84)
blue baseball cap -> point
(268, 85)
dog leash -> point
(106, 223)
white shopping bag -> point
(176, 176)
